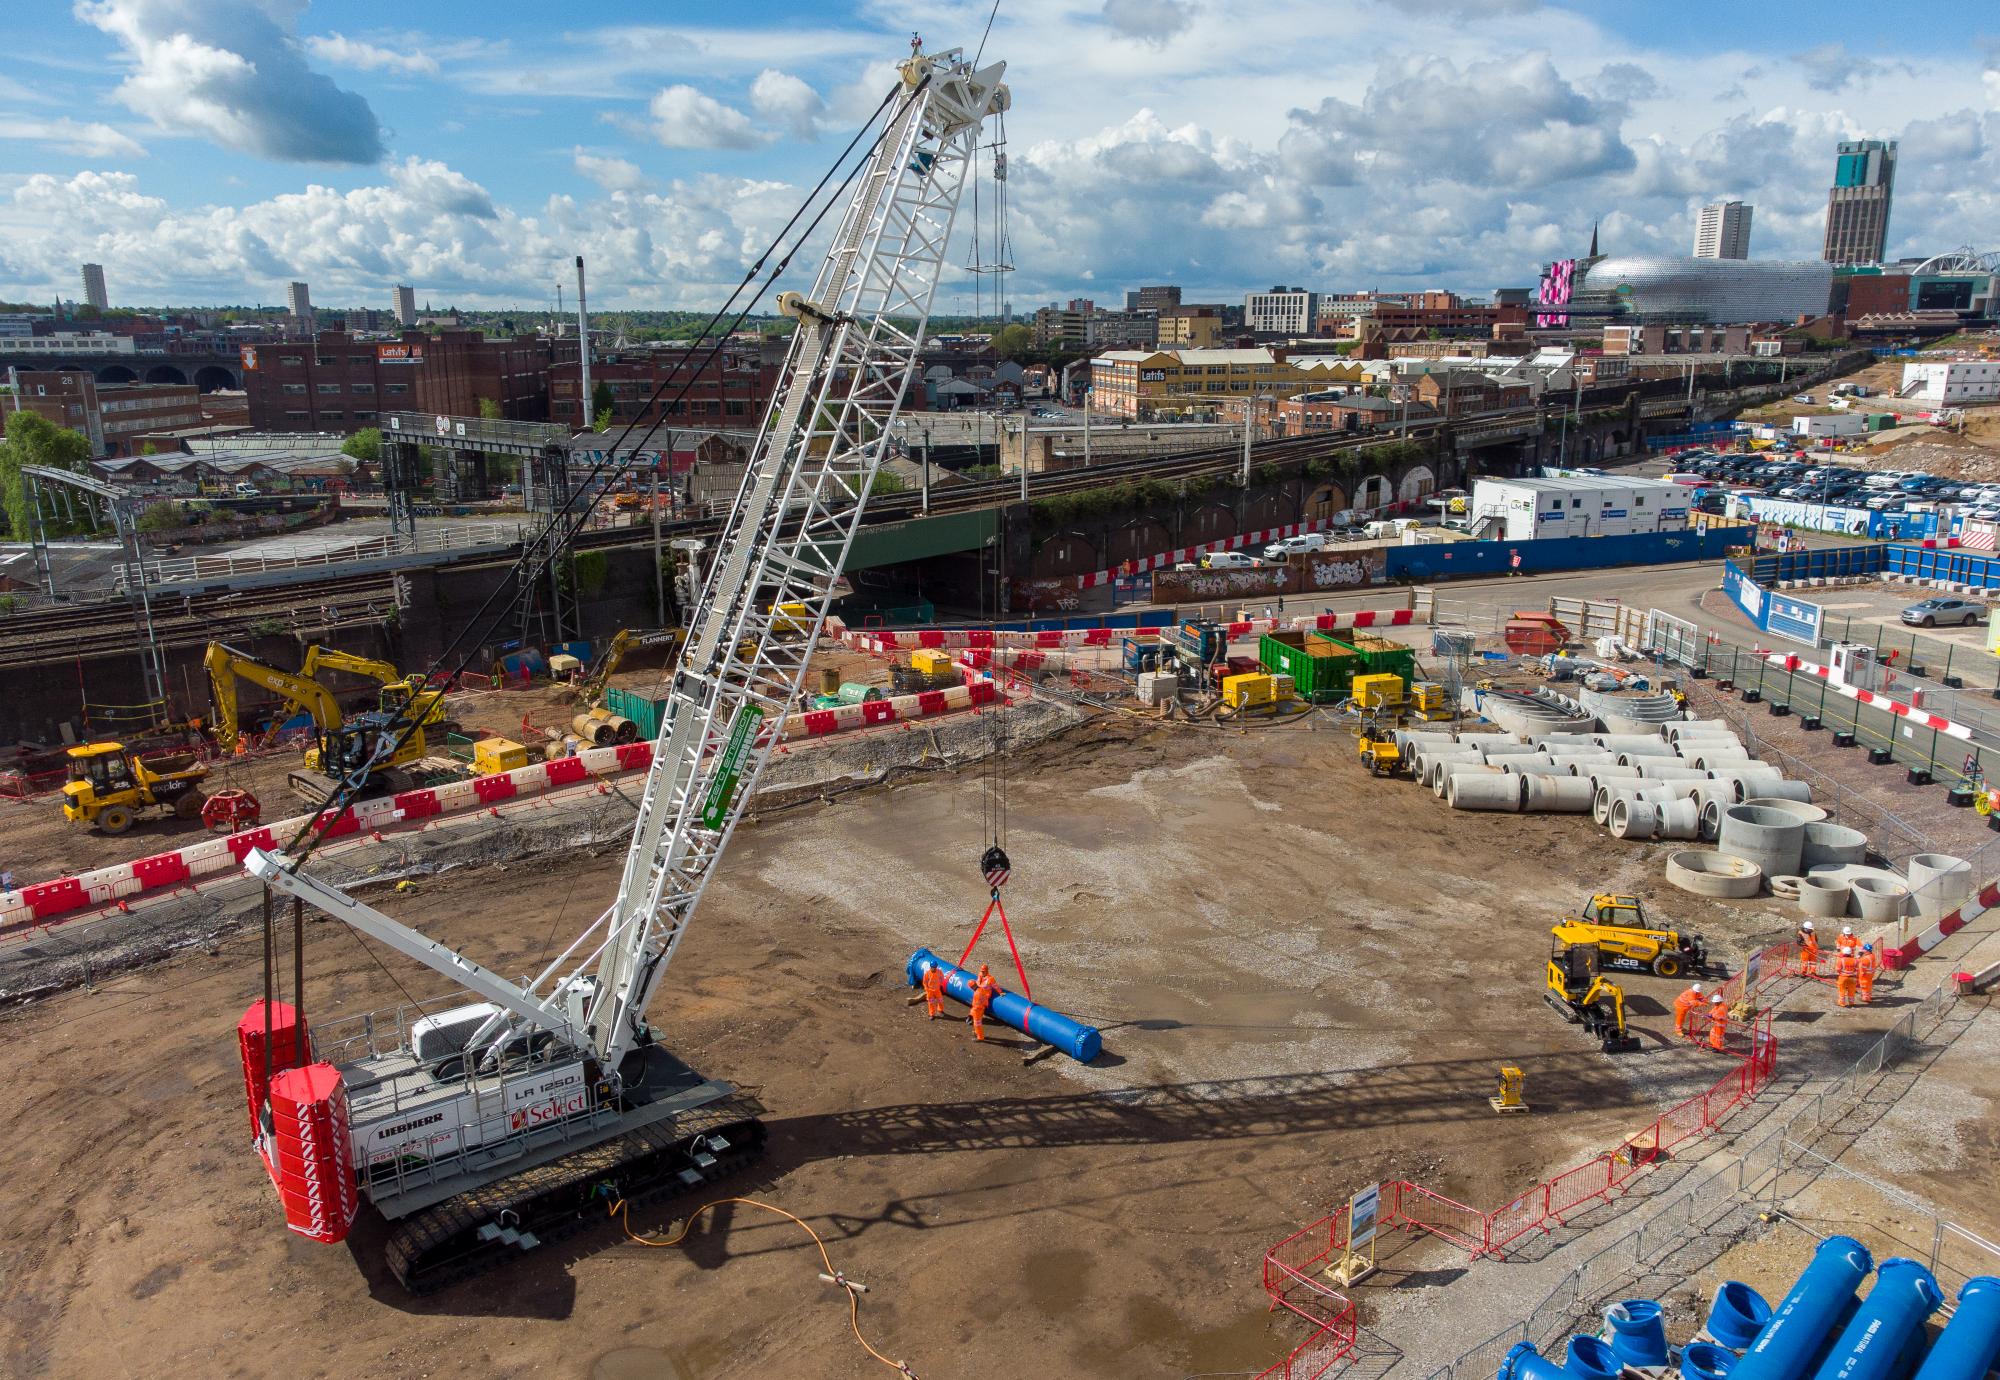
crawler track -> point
(451, 1241)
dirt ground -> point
(1307, 980)
(40, 844)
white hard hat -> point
(1807, 925)
(1696, 988)
(1716, 997)
(1847, 929)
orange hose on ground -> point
(853, 1291)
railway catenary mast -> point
(492, 1125)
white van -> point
(1295, 546)
(245, 489)
(1230, 560)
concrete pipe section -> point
(1836, 843)
(1524, 766)
(1508, 749)
(1675, 732)
(1497, 792)
(1823, 898)
(1605, 771)
(1802, 811)
(1634, 819)
(1665, 769)
(1710, 760)
(1441, 781)
(1679, 819)
(1785, 888)
(1563, 795)
(1771, 839)
(1713, 874)
(1618, 742)
(1633, 756)
(1939, 883)
(1879, 902)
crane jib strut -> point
(783, 546)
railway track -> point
(108, 628)
(46, 635)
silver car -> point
(1946, 609)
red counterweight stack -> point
(288, 1050)
(308, 1152)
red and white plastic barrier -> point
(42, 902)
(880, 640)
(1922, 718)
(1165, 559)
(1906, 954)
(817, 723)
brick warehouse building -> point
(339, 383)
(115, 416)
(728, 391)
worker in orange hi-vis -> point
(1865, 968)
(1846, 980)
(1808, 950)
(1846, 944)
(934, 991)
(982, 998)
(1685, 1007)
(1718, 1021)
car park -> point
(1944, 609)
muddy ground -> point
(1307, 980)
(37, 843)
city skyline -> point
(1460, 146)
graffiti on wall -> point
(1325, 570)
(1057, 594)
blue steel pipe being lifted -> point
(1079, 1041)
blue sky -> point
(210, 150)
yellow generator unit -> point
(1383, 690)
(931, 661)
(1250, 689)
(1427, 701)
(491, 756)
(1283, 687)
(1512, 1083)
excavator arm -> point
(400, 693)
(226, 666)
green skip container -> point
(1321, 669)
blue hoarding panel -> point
(1445, 561)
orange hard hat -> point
(984, 971)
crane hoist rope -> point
(481, 1129)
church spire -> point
(1593, 239)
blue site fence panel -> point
(1470, 558)
(1942, 563)
(1824, 563)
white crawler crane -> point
(508, 1117)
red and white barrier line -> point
(1922, 718)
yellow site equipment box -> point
(491, 756)
(1283, 687)
(1249, 690)
(1381, 691)
(931, 661)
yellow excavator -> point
(1581, 996)
(623, 642)
(1616, 927)
(340, 744)
(401, 694)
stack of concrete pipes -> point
(1674, 784)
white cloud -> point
(341, 51)
(91, 140)
(612, 174)
(231, 71)
(422, 221)
(784, 99)
(1149, 21)
(684, 118)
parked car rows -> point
(1887, 491)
